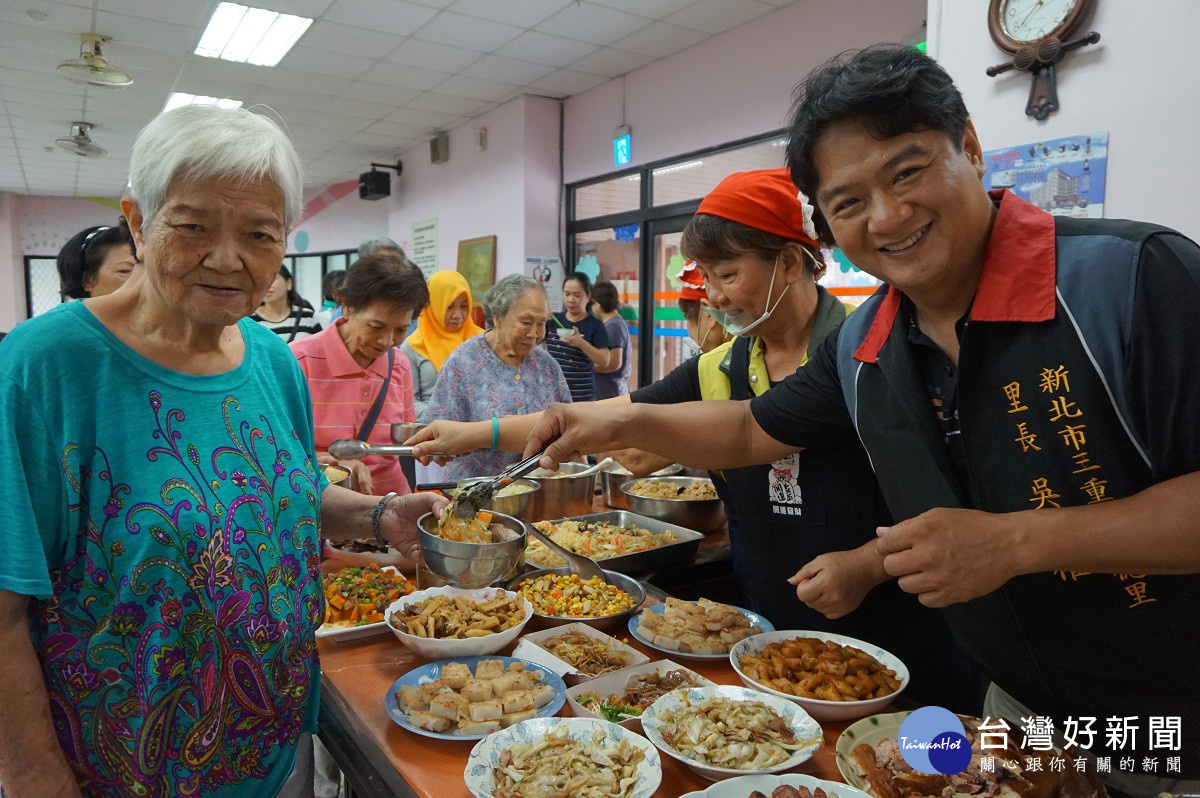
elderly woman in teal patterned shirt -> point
(160, 585)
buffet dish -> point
(623, 696)
(444, 622)
(357, 597)
(720, 732)
(619, 540)
(791, 785)
(614, 475)
(690, 502)
(577, 649)
(560, 598)
(801, 667)
(581, 757)
(700, 630)
(468, 698)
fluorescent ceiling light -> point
(178, 99)
(677, 167)
(250, 35)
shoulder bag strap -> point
(739, 369)
(373, 416)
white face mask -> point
(733, 328)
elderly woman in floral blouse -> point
(500, 373)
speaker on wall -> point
(374, 185)
(439, 148)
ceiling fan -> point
(80, 143)
(91, 67)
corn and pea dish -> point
(568, 596)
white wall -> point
(732, 86)
(1139, 83)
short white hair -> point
(199, 142)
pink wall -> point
(46, 223)
(475, 193)
(336, 218)
(735, 85)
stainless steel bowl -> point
(472, 565)
(561, 496)
(516, 505)
(607, 623)
(403, 430)
(702, 515)
(611, 480)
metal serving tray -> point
(682, 551)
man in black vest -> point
(1028, 390)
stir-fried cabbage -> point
(558, 765)
(724, 733)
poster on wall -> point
(548, 272)
(1062, 176)
(425, 246)
(477, 263)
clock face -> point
(1030, 20)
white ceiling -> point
(369, 80)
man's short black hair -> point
(891, 89)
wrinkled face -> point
(371, 331)
(574, 298)
(456, 314)
(910, 210)
(741, 286)
(524, 326)
(213, 249)
(115, 269)
(279, 289)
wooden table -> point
(383, 760)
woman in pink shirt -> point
(347, 366)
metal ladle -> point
(585, 567)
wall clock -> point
(1034, 33)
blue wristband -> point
(495, 433)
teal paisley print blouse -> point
(167, 525)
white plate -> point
(530, 648)
(438, 648)
(486, 754)
(391, 557)
(616, 682)
(818, 708)
(744, 785)
(344, 634)
(431, 673)
(871, 731)
(754, 618)
(802, 725)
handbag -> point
(373, 416)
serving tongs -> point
(470, 501)
(354, 449)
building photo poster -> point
(1064, 176)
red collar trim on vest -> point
(1016, 282)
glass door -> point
(669, 344)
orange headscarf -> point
(432, 339)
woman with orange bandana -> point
(441, 328)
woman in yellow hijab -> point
(442, 326)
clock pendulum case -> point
(1034, 33)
